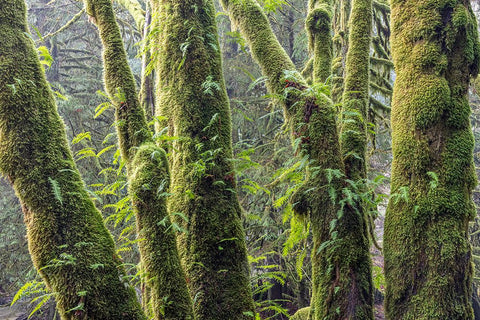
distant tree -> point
(428, 260)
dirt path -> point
(9, 313)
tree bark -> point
(428, 264)
(191, 93)
(69, 244)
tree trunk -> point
(191, 93)
(148, 175)
(428, 264)
(68, 242)
(341, 282)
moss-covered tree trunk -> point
(353, 143)
(191, 93)
(428, 264)
(68, 242)
(341, 282)
(166, 295)
(319, 29)
(341, 17)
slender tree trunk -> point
(342, 9)
(428, 264)
(191, 93)
(148, 175)
(68, 242)
(319, 29)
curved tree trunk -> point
(191, 93)
(68, 242)
(428, 265)
(341, 283)
(165, 288)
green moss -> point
(341, 16)
(191, 93)
(319, 28)
(119, 82)
(68, 242)
(166, 295)
(340, 259)
(165, 279)
(427, 255)
(301, 314)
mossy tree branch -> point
(319, 29)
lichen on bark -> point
(428, 264)
(191, 93)
(69, 244)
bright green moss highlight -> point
(301, 314)
(165, 289)
(191, 93)
(341, 278)
(428, 265)
(68, 242)
(119, 82)
(319, 28)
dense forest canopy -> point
(237, 159)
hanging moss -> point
(68, 242)
(428, 264)
(341, 285)
(165, 288)
(191, 93)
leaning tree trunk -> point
(165, 288)
(428, 263)
(68, 241)
(342, 283)
(191, 93)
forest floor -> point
(11, 313)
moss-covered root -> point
(191, 93)
(68, 242)
(428, 264)
(319, 29)
(165, 279)
(119, 82)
